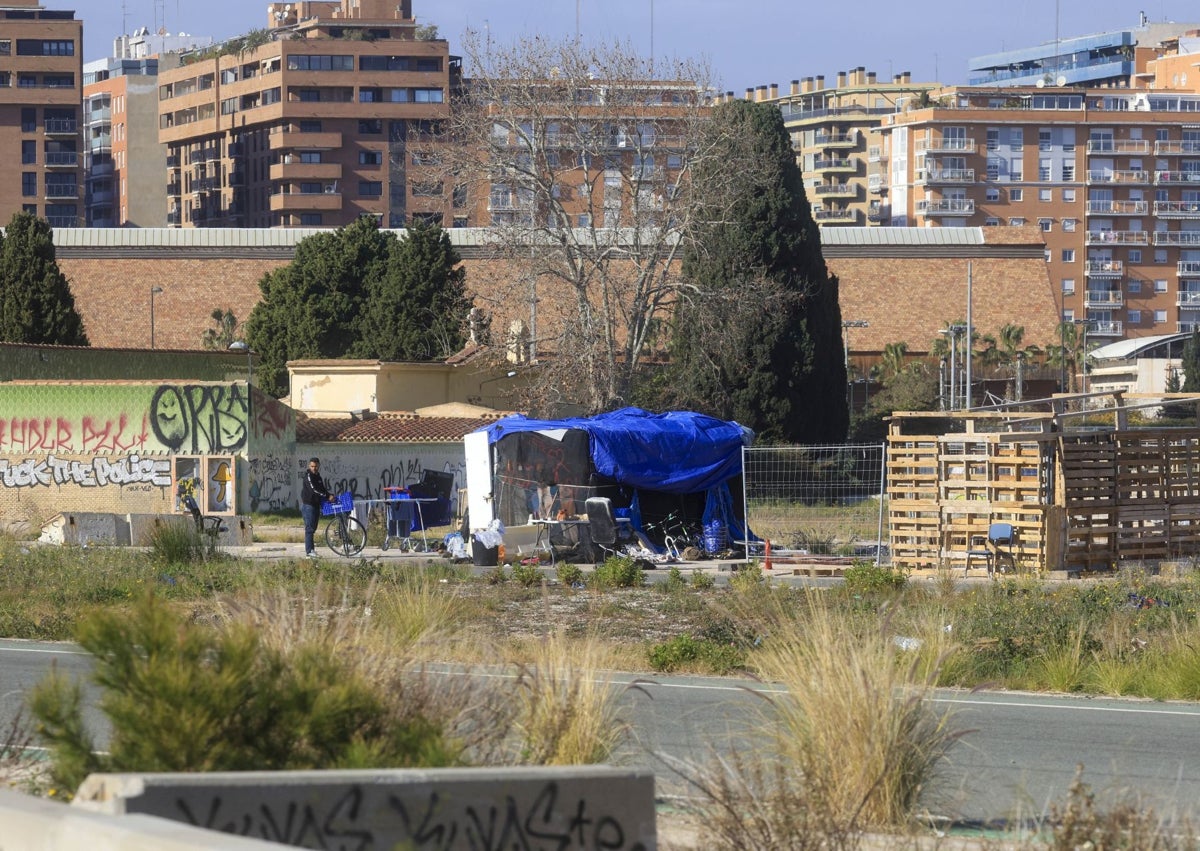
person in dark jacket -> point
(312, 494)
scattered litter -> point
(906, 643)
(1138, 601)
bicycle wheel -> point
(345, 535)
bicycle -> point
(344, 534)
(676, 535)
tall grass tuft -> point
(568, 711)
(177, 541)
(851, 744)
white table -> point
(387, 528)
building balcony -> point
(1103, 299)
(947, 207)
(99, 141)
(1117, 237)
(62, 190)
(61, 126)
(1177, 237)
(174, 188)
(836, 190)
(104, 223)
(1118, 146)
(1189, 300)
(173, 217)
(1164, 178)
(1108, 177)
(303, 202)
(836, 164)
(879, 213)
(306, 171)
(63, 221)
(1104, 268)
(1105, 328)
(173, 162)
(874, 154)
(284, 140)
(945, 146)
(104, 197)
(1188, 268)
(835, 140)
(96, 170)
(1177, 147)
(62, 159)
(950, 175)
(208, 153)
(840, 217)
(1117, 208)
(1187, 327)
(875, 184)
(1177, 209)
(205, 184)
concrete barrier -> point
(485, 809)
(35, 824)
(81, 528)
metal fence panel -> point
(818, 500)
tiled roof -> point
(390, 427)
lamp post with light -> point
(243, 346)
(153, 292)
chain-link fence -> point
(818, 500)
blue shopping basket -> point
(344, 504)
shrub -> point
(184, 697)
(697, 654)
(864, 577)
(674, 582)
(748, 579)
(702, 581)
(495, 576)
(569, 574)
(618, 572)
(177, 541)
(526, 575)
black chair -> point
(602, 525)
(997, 544)
(209, 527)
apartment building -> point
(41, 75)
(309, 127)
(1111, 177)
(834, 133)
(1116, 58)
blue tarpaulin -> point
(675, 452)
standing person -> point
(312, 495)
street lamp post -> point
(850, 323)
(243, 346)
(153, 292)
(1084, 324)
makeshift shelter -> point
(520, 469)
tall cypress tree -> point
(761, 339)
(36, 305)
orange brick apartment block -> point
(310, 128)
(41, 74)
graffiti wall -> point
(133, 448)
(366, 469)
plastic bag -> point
(492, 536)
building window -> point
(1068, 255)
(1016, 169)
(1135, 287)
(1068, 286)
(29, 184)
(1069, 225)
(993, 168)
(1135, 317)
(1160, 316)
(38, 47)
(1160, 255)
(1044, 140)
(1046, 254)
(1045, 194)
(310, 157)
(311, 220)
(1016, 195)
(28, 152)
(370, 95)
(1160, 285)
(310, 126)
(1016, 138)
(993, 138)
(370, 126)
(301, 62)
(992, 194)
(427, 190)
(1016, 222)
(1046, 225)
(1044, 171)
(991, 222)
(427, 96)
(1068, 172)
(1068, 196)
(28, 119)
(370, 157)
(309, 95)
(1135, 255)
(370, 188)
(5, 46)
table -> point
(388, 520)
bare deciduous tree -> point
(579, 160)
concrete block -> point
(237, 531)
(81, 528)
(35, 824)
(584, 807)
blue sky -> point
(748, 44)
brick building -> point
(41, 78)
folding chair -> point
(209, 527)
(602, 524)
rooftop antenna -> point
(577, 21)
(1057, 40)
(651, 38)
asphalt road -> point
(1017, 755)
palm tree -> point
(1068, 354)
(891, 362)
(225, 332)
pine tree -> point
(760, 339)
(36, 305)
(416, 310)
(324, 303)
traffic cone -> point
(767, 556)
